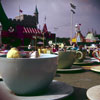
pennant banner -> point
(73, 6)
(73, 11)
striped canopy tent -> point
(90, 37)
(33, 32)
(29, 30)
(78, 38)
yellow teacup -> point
(44, 50)
(39, 51)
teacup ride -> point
(96, 67)
(96, 55)
(81, 59)
(32, 77)
(93, 93)
(66, 60)
(90, 62)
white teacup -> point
(25, 76)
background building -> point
(23, 29)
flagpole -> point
(72, 12)
(19, 11)
(71, 23)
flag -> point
(73, 6)
(73, 11)
(20, 10)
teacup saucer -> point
(93, 93)
(96, 68)
(85, 62)
(72, 69)
(56, 90)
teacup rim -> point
(47, 56)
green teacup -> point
(66, 59)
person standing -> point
(29, 47)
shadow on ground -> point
(78, 94)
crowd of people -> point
(91, 51)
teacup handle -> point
(79, 52)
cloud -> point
(95, 3)
(58, 13)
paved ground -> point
(81, 81)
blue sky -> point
(58, 14)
